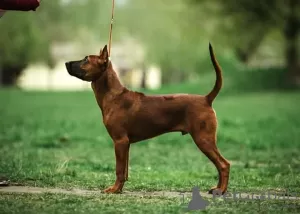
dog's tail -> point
(218, 84)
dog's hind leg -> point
(127, 163)
(206, 142)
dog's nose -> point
(68, 66)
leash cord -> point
(111, 27)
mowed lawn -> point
(58, 140)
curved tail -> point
(218, 84)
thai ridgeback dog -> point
(131, 116)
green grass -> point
(54, 203)
(58, 140)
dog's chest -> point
(118, 113)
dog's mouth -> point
(73, 70)
(68, 66)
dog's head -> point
(91, 67)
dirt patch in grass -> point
(168, 194)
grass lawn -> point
(58, 140)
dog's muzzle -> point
(68, 66)
(75, 71)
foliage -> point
(175, 32)
(27, 36)
(246, 23)
(25, 39)
(171, 35)
(21, 42)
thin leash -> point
(111, 27)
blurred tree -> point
(292, 34)
(27, 37)
(24, 40)
(21, 42)
(245, 24)
(167, 30)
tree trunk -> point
(182, 76)
(291, 33)
(10, 74)
(143, 81)
(1, 75)
(244, 54)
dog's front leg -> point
(121, 153)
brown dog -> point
(130, 116)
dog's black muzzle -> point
(74, 69)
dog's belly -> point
(153, 126)
(134, 138)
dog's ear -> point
(104, 53)
(100, 51)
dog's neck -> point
(107, 87)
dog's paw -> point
(112, 189)
(216, 191)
